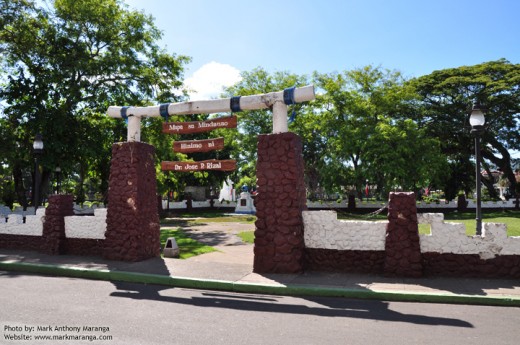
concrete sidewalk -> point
(231, 269)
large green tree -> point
(254, 122)
(63, 65)
(365, 116)
(447, 96)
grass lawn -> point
(247, 236)
(188, 247)
(207, 217)
(510, 218)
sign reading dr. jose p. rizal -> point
(212, 164)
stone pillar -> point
(53, 235)
(403, 250)
(281, 198)
(132, 214)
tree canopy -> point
(446, 97)
(62, 67)
(64, 63)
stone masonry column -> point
(281, 198)
(132, 215)
(53, 234)
(403, 250)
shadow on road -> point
(325, 307)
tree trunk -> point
(489, 182)
(503, 163)
(18, 185)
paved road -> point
(147, 314)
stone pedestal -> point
(402, 246)
(53, 235)
(245, 204)
(281, 198)
(132, 216)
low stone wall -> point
(323, 230)
(74, 235)
(87, 226)
(20, 242)
(84, 246)
(33, 225)
(359, 261)
(451, 238)
(509, 204)
(448, 251)
(15, 234)
(359, 246)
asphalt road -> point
(70, 309)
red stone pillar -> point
(402, 246)
(281, 198)
(132, 214)
(53, 234)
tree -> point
(447, 95)
(365, 118)
(66, 64)
(251, 123)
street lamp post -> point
(58, 181)
(37, 151)
(477, 121)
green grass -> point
(247, 236)
(228, 219)
(510, 218)
(207, 217)
(188, 247)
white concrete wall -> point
(33, 224)
(452, 204)
(87, 226)
(344, 204)
(452, 238)
(322, 229)
(75, 226)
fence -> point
(390, 247)
(362, 246)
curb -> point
(256, 288)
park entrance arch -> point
(132, 216)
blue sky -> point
(413, 36)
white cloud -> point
(209, 80)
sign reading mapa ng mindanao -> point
(199, 126)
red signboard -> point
(206, 145)
(200, 126)
(213, 164)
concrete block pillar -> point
(132, 214)
(281, 198)
(402, 246)
(53, 234)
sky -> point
(415, 37)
